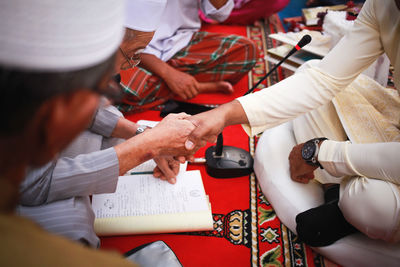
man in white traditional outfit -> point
(56, 195)
(335, 102)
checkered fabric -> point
(208, 57)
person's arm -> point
(109, 122)
(182, 84)
(84, 175)
(124, 129)
(167, 138)
(316, 86)
(105, 120)
(108, 119)
(97, 172)
(303, 91)
(376, 160)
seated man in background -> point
(183, 61)
(367, 169)
(56, 58)
(246, 12)
(57, 195)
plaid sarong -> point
(208, 57)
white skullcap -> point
(144, 15)
(59, 35)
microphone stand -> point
(228, 161)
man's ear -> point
(60, 119)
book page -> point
(140, 195)
(148, 167)
(320, 50)
(144, 204)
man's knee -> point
(248, 48)
(372, 206)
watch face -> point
(308, 150)
(140, 129)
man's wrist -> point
(141, 128)
(233, 113)
(310, 151)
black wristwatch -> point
(140, 129)
(310, 150)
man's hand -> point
(211, 123)
(167, 168)
(171, 134)
(208, 125)
(300, 171)
(182, 84)
(167, 138)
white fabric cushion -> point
(289, 198)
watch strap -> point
(141, 128)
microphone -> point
(228, 161)
(303, 41)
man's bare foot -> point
(216, 87)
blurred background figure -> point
(181, 61)
(247, 12)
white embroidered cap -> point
(51, 35)
(144, 15)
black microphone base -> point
(234, 162)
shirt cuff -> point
(108, 182)
(250, 130)
(84, 175)
(105, 121)
(333, 157)
(152, 51)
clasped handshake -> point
(177, 138)
(173, 140)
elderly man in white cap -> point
(57, 195)
(56, 58)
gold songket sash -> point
(369, 112)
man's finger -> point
(157, 173)
(164, 166)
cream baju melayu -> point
(367, 167)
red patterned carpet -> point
(246, 229)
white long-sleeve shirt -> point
(376, 30)
(178, 23)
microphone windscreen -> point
(304, 41)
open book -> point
(311, 14)
(276, 54)
(143, 204)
